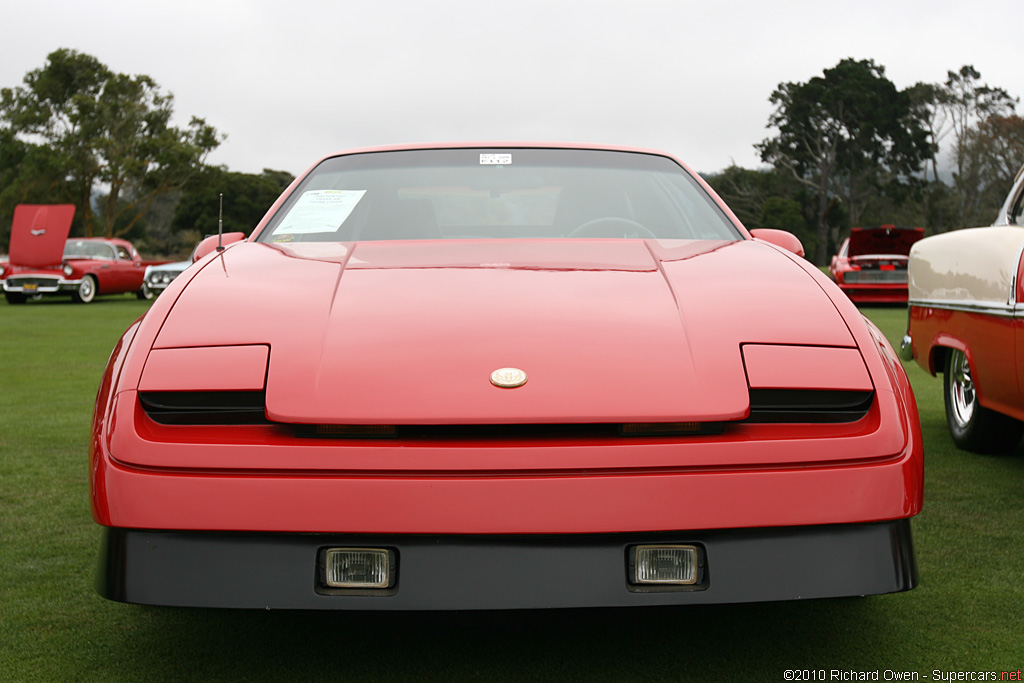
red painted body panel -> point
(38, 232)
(993, 345)
(882, 449)
(584, 502)
(1018, 338)
(138, 441)
(652, 332)
(117, 276)
(215, 368)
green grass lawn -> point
(967, 614)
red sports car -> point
(489, 377)
(871, 265)
(43, 261)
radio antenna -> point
(220, 224)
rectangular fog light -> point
(358, 568)
(665, 564)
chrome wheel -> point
(86, 291)
(963, 401)
(973, 426)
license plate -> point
(30, 287)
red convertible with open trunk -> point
(489, 377)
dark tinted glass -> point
(498, 193)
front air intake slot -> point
(510, 432)
(808, 406)
(205, 407)
(767, 406)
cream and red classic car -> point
(966, 321)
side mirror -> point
(210, 243)
(779, 238)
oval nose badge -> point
(508, 378)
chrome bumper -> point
(50, 286)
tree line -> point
(77, 132)
(848, 148)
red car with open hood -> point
(502, 376)
(43, 261)
(871, 264)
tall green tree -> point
(992, 155)
(926, 99)
(969, 103)
(999, 142)
(29, 174)
(247, 197)
(843, 135)
(108, 133)
(765, 198)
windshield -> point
(497, 193)
(88, 250)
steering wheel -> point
(612, 226)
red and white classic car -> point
(493, 377)
(44, 262)
(966, 321)
(871, 264)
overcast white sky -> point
(290, 81)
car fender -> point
(938, 348)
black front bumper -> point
(280, 571)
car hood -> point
(410, 332)
(38, 234)
(883, 239)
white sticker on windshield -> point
(319, 211)
(495, 159)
